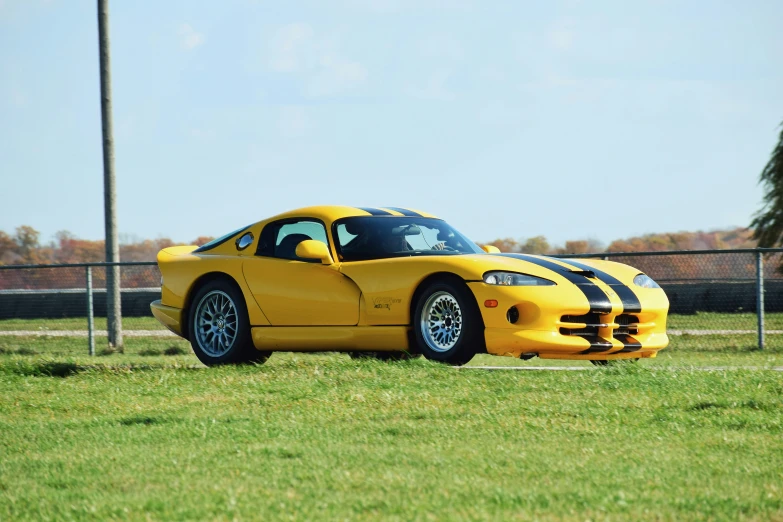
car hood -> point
(607, 271)
(584, 273)
(561, 271)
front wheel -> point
(219, 326)
(447, 324)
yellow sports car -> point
(392, 282)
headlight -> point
(645, 281)
(513, 279)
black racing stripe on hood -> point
(375, 211)
(404, 212)
(631, 303)
(599, 301)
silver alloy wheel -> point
(216, 323)
(441, 321)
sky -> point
(569, 119)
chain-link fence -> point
(715, 297)
(718, 299)
(66, 304)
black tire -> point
(211, 350)
(384, 356)
(460, 347)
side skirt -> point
(330, 338)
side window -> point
(280, 239)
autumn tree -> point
(716, 239)
(536, 245)
(767, 225)
(27, 245)
(506, 245)
(72, 250)
(533, 245)
(201, 240)
(146, 250)
(7, 249)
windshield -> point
(361, 238)
(219, 241)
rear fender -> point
(183, 274)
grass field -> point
(177, 351)
(78, 323)
(714, 321)
(151, 434)
(686, 342)
(700, 321)
(132, 436)
(325, 437)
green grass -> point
(152, 434)
(324, 437)
(699, 321)
(78, 323)
(715, 321)
(684, 351)
(725, 343)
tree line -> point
(24, 247)
(766, 230)
(713, 240)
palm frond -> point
(767, 223)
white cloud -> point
(498, 113)
(189, 38)
(435, 87)
(292, 48)
(388, 6)
(297, 49)
(335, 75)
(561, 35)
(19, 98)
(202, 134)
(294, 121)
(442, 46)
(492, 74)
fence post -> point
(90, 321)
(760, 297)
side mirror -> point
(312, 249)
(489, 249)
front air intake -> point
(591, 321)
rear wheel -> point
(219, 326)
(447, 324)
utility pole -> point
(113, 309)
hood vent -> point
(586, 273)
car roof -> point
(334, 212)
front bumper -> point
(168, 316)
(553, 345)
(543, 330)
